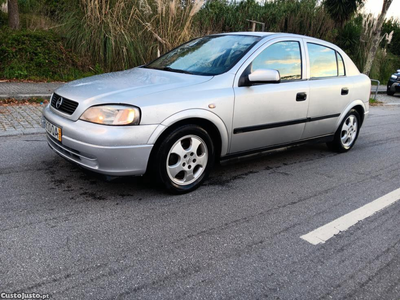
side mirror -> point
(264, 76)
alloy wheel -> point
(187, 160)
(349, 131)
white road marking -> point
(324, 233)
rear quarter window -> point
(341, 69)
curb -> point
(17, 132)
(26, 96)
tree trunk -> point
(376, 37)
(13, 14)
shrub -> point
(3, 19)
(37, 55)
(385, 64)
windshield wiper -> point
(169, 69)
(175, 70)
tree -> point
(376, 37)
(13, 14)
(392, 25)
(342, 10)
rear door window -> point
(322, 61)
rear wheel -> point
(184, 159)
(389, 92)
(347, 133)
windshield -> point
(210, 55)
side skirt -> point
(276, 148)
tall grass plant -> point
(122, 33)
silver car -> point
(210, 99)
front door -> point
(271, 114)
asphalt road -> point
(70, 234)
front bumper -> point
(394, 86)
(110, 150)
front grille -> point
(67, 106)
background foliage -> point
(67, 39)
(38, 55)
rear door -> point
(330, 90)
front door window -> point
(284, 57)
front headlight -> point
(394, 76)
(112, 115)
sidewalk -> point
(381, 89)
(26, 118)
(24, 90)
(20, 119)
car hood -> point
(125, 86)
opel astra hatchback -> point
(212, 98)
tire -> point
(347, 133)
(389, 93)
(184, 159)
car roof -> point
(249, 33)
(253, 33)
(266, 34)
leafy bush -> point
(385, 64)
(45, 7)
(349, 39)
(3, 19)
(37, 55)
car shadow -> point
(78, 183)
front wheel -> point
(184, 159)
(347, 133)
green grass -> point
(39, 56)
(374, 102)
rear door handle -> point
(301, 96)
(345, 91)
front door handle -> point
(345, 91)
(301, 96)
